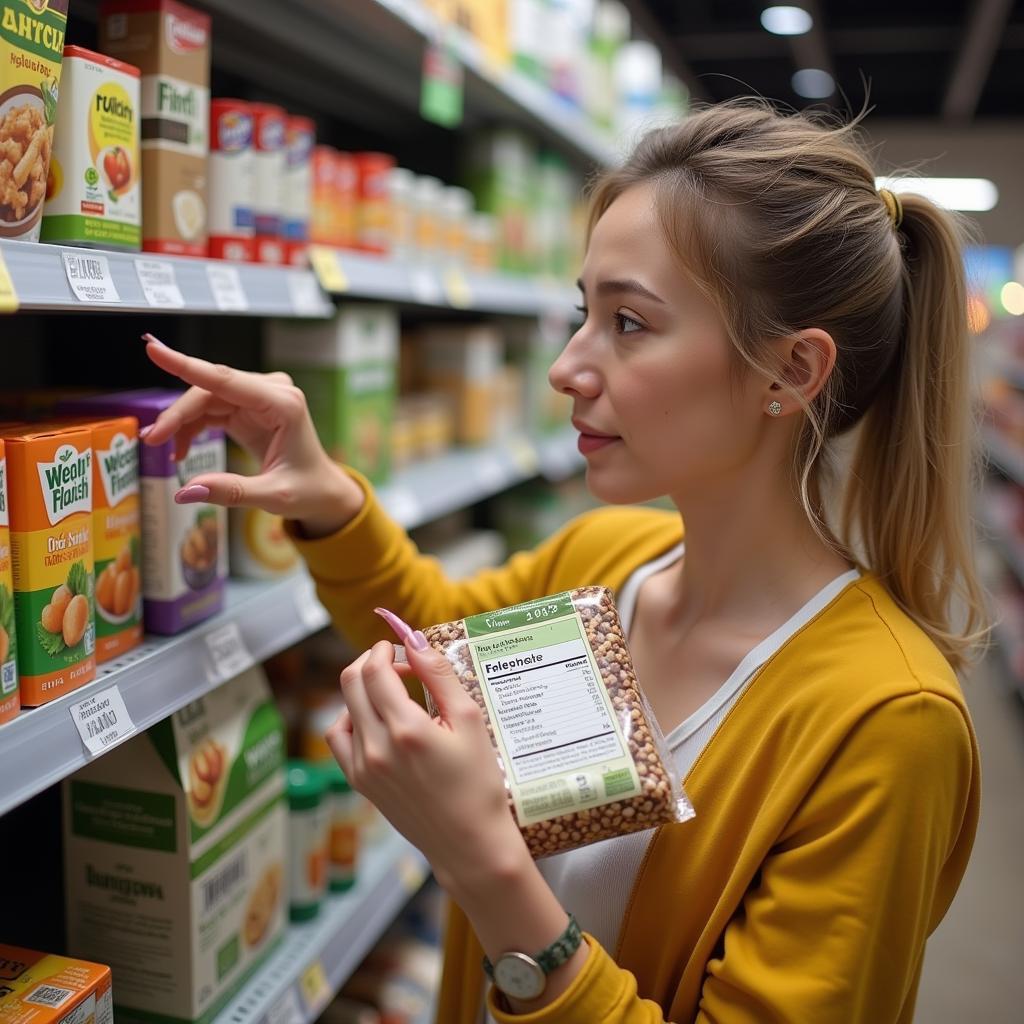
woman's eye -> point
(582, 310)
(626, 324)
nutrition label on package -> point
(561, 742)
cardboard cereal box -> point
(179, 835)
(9, 700)
(31, 54)
(49, 477)
(43, 988)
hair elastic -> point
(893, 206)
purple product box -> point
(184, 547)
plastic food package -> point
(582, 754)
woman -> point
(749, 297)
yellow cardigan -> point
(836, 805)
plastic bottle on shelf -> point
(307, 840)
(344, 813)
(300, 138)
(269, 126)
(401, 184)
(457, 208)
(427, 195)
(483, 242)
(638, 87)
(373, 172)
(611, 29)
(232, 181)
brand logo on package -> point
(119, 469)
(65, 483)
(184, 36)
(201, 458)
(235, 131)
(38, 5)
(300, 147)
(270, 132)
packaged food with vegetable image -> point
(31, 55)
(49, 471)
(10, 702)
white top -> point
(595, 882)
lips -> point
(591, 439)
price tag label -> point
(425, 287)
(524, 455)
(311, 612)
(327, 266)
(307, 299)
(8, 295)
(90, 278)
(286, 1010)
(159, 284)
(456, 287)
(226, 284)
(315, 990)
(411, 873)
(403, 506)
(102, 720)
(228, 654)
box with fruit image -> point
(49, 480)
(348, 370)
(179, 835)
(184, 547)
(10, 702)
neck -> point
(751, 552)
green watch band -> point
(559, 952)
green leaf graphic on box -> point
(49, 93)
(136, 549)
(7, 621)
(78, 579)
(161, 736)
(205, 513)
(52, 643)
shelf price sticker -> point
(313, 983)
(226, 284)
(8, 294)
(326, 264)
(523, 455)
(228, 654)
(312, 613)
(425, 287)
(90, 278)
(304, 289)
(457, 289)
(159, 284)
(102, 720)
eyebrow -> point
(619, 285)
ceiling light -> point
(786, 21)
(813, 83)
(973, 194)
(1012, 297)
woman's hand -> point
(436, 780)
(267, 415)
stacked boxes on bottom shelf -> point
(175, 850)
(347, 368)
(43, 988)
(10, 702)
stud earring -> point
(775, 408)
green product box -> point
(175, 846)
(348, 369)
(533, 346)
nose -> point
(573, 372)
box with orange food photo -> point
(49, 486)
(9, 700)
(180, 834)
(44, 988)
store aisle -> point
(973, 965)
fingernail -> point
(194, 492)
(418, 641)
(145, 430)
(153, 340)
(402, 629)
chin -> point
(620, 489)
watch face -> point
(519, 976)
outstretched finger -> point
(193, 405)
(231, 490)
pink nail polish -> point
(418, 641)
(401, 629)
(153, 340)
(145, 430)
(192, 493)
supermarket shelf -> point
(42, 746)
(1006, 456)
(348, 273)
(315, 959)
(435, 487)
(999, 531)
(181, 285)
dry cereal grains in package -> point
(175, 851)
(583, 756)
(43, 988)
(31, 54)
(9, 699)
(49, 478)
(184, 547)
(94, 198)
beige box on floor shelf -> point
(175, 847)
(43, 988)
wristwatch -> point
(525, 977)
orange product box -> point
(43, 988)
(49, 477)
(346, 201)
(117, 534)
(10, 703)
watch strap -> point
(559, 952)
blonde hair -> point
(778, 220)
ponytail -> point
(914, 468)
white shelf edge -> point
(40, 281)
(41, 745)
(336, 941)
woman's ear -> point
(806, 359)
